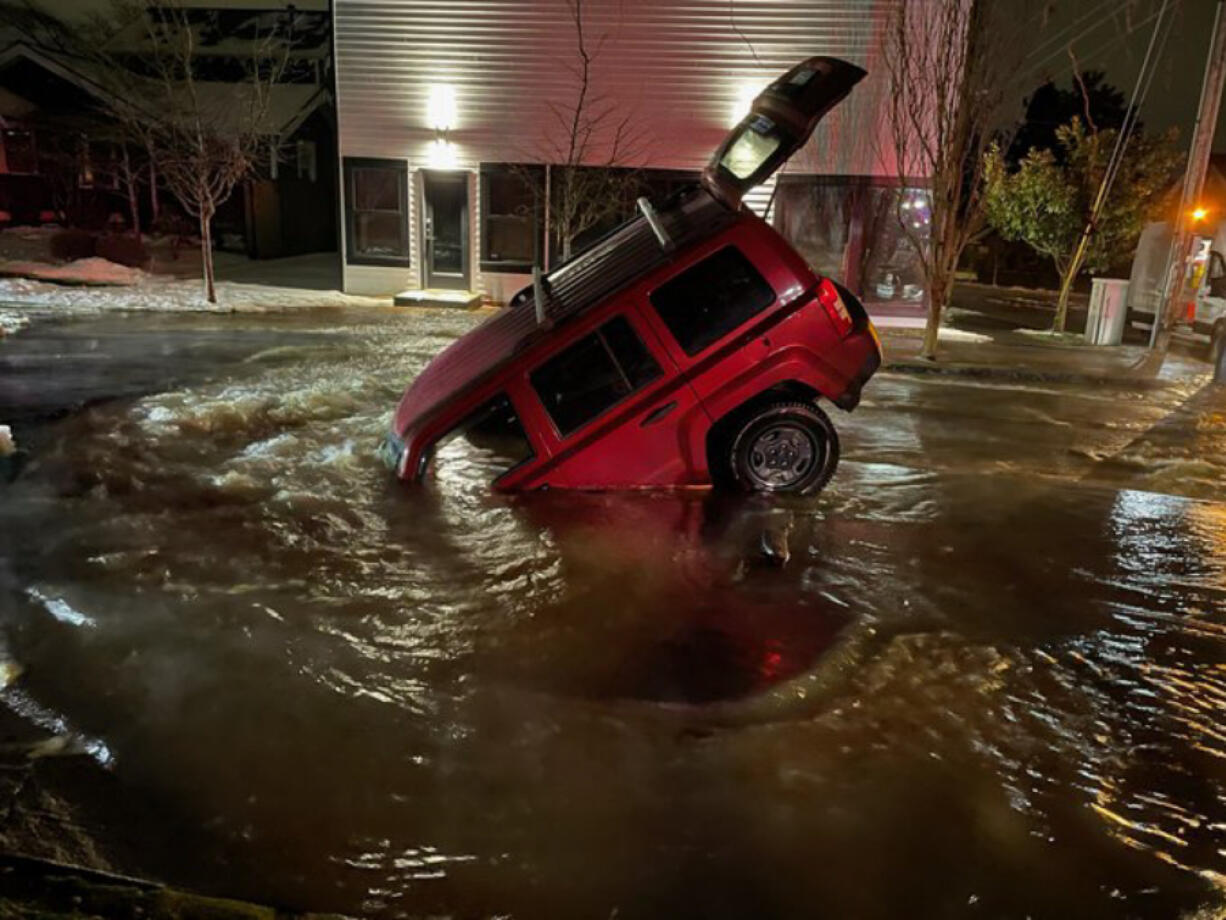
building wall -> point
(677, 70)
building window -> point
(19, 154)
(376, 211)
(661, 184)
(711, 298)
(593, 374)
(606, 198)
(512, 212)
(852, 228)
(100, 165)
(598, 199)
(305, 160)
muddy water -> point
(990, 681)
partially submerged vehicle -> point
(689, 347)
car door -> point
(616, 410)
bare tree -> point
(203, 137)
(952, 66)
(592, 145)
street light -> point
(1199, 214)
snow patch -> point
(961, 335)
(93, 270)
(167, 295)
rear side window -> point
(711, 298)
(594, 373)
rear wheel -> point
(783, 447)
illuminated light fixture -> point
(442, 154)
(1199, 214)
(745, 95)
(441, 107)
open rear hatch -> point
(780, 120)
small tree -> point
(1090, 97)
(204, 137)
(592, 145)
(1047, 201)
(951, 66)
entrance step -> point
(437, 297)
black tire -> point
(786, 446)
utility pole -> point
(1193, 180)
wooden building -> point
(454, 118)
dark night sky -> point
(1101, 40)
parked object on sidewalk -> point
(1108, 311)
(690, 346)
(1202, 305)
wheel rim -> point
(782, 456)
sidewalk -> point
(1025, 354)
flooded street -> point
(990, 681)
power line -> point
(1076, 22)
(1139, 90)
(1025, 75)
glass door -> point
(445, 230)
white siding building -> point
(438, 98)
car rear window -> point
(711, 298)
(593, 374)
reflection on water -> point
(344, 694)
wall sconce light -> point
(441, 108)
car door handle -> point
(657, 413)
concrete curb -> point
(1024, 375)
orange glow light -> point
(1199, 214)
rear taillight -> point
(833, 304)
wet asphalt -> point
(988, 682)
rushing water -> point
(990, 681)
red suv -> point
(691, 346)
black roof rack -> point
(627, 253)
